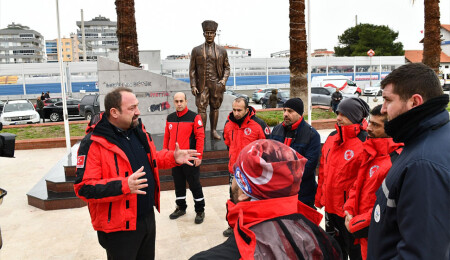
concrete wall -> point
(151, 89)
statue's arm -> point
(192, 74)
(226, 68)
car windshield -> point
(18, 107)
(284, 94)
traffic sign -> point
(370, 52)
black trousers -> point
(138, 244)
(191, 174)
(335, 226)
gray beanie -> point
(354, 109)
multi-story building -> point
(20, 44)
(51, 47)
(236, 52)
(101, 38)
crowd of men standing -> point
(384, 179)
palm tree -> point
(126, 32)
(432, 35)
(298, 62)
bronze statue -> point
(208, 72)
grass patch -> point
(54, 131)
(273, 118)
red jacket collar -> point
(182, 113)
(349, 131)
(249, 213)
(250, 114)
(295, 125)
(380, 146)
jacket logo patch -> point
(348, 155)
(200, 122)
(267, 131)
(170, 126)
(247, 131)
(377, 213)
(242, 181)
(373, 170)
(80, 161)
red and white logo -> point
(80, 161)
(170, 126)
(373, 170)
(200, 122)
(247, 131)
(348, 155)
(267, 131)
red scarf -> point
(293, 127)
(249, 213)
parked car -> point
(374, 90)
(231, 92)
(282, 96)
(322, 96)
(1, 106)
(54, 112)
(89, 106)
(17, 112)
(259, 94)
(49, 101)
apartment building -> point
(20, 44)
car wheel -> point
(55, 117)
(88, 116)
(264, 106)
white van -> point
(342, 82)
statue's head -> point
(209, 30)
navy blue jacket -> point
(306, 142)
(411, 217)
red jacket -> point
(237, 137)
(377, 159)
(102, 178)
(339, 164)
(186, 129)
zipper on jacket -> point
(109, 212)
(117, 164)
(232, 135)
(326, 157)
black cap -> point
(295, 104)
(355, 109)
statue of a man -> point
(208, 72)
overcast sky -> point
(174, 26)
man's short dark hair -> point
(376, 111)
(114, 99)
(414, 78)
(239, 99)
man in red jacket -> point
(339, 164)
(269, 221)
(186, 128)
(117, 174)
(241, 128)
(377, 157)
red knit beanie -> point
(268, 169)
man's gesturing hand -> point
(135, 183)
(184, 156)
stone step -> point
(207, 179)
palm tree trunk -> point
(126, 32)
(432, 35)
(298, 63)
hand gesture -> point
(194, 91)
(348, 217)
(184, 156)
(137, 184)
(197, 162)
